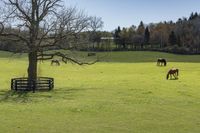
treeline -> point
(181, 37)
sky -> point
(125, 13)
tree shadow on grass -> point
(173, 79)
(66, 93)
(40, 96)
(17, 96)
(57, 94)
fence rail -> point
(23, 84)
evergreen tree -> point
(117, 33)
(117, 36)
(146, 35)
(124, 38)
(172, 38)
(141, 28)
(196, 15)
(141, 31)
(193, 16)
(178, 41)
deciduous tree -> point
(42, 25)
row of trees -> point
(84, 33)
(181, 36)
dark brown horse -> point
(173, 72)
(161, 62)
(55, 62)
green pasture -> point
(123, 93)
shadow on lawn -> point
(6, 96)
(26, 97)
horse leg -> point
(158, 63)
(175, 76)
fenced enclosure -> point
(23, 84)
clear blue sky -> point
(125, 13)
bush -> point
(178, 50)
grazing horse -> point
(173, 72)
(55, 62)
(161, 62)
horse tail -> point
(167, 76)
(177, 72)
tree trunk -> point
(32, 69)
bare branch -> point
(96, 23)
(45, 24)
(65, 58)
(16, 3)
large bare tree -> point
(43, 25)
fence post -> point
(49, 82)
(52, 83)
(11, 84)
(16, 85)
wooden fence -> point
(23, 84)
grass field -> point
(124, 93)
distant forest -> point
(182, 37)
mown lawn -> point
(124, 93)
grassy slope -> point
(110, 96)
(136, 57)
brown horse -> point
(55, 62)
(161, 62)
(173, 72)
